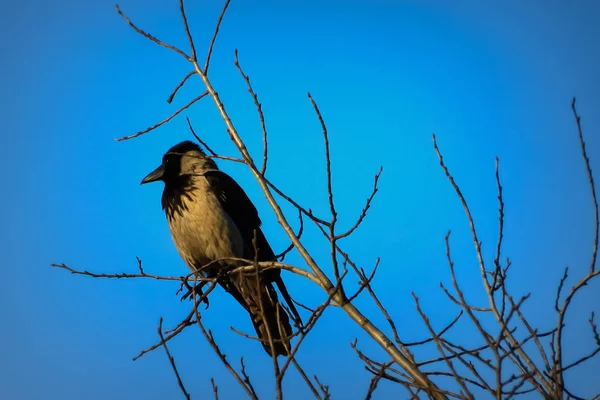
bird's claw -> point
(198, 290)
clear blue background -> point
(489, 78)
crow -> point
(211, 218)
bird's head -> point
(182, 160)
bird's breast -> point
(201, 229)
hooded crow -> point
(211, 218)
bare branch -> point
(307, 380)
(438, 342)
(364, 280)
(544, 387)
(150, 37)
(261, 116)
(164, 121)
(363, 214)
(375, 380)
(210, 151)
(211, 340)
(172, 361)
(333, 211)
(498, 271)
(246, 376)
(214, 37)
(588, 168)
(324, 388)
(125, 275)
(560, 288)
(533, 333)
(440, 334)
(180, 85)
(594, 352)
(281, 256)
(187, 321)
(215, 388)
(187, 31)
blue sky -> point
(488, 78)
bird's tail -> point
(269, 318)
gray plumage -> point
(211, 217)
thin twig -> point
(261, 115)
(363, 214)
(150, 37)
(333, 211)
(590, 176)
(214, 37)
(439, 334)
(211, 340)
(498, 270)
(544, 387)
(211, 152)
(172, 361)
(438, 342)
(164, 121)
(180, 85)
(215, 388)
(187, 31)
(125, 275)
(281, 256)
(307, 380)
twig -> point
(187, 321)
(544, 387)
(307, 380)
(364, 280)
(439, 334)
(187, 31)
(210, 151)
(439, 345)
(324, 388)
(180, 85)
(363, 214)
(261, 115)
(592, 185)
(265, 320)
(333, 211)
(214, 37)
(246, 376)
(533, 333)
(311, 322)
(498, 270)
(375, 380)
(281, 256)
(215, 388)
(124, 275)
(150, 37)
(596, 336)
(561, 284)
(172, 361)
(164, 121)
(211, 340)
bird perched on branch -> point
(211, 218)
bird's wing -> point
(241, 210)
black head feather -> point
(177, 185)
(184, 147)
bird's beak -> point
(155, 175)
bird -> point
(211, 218)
